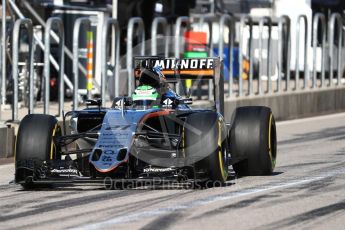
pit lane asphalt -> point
(306, 191)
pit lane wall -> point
(295, 104)
(292, 105)
(7, 140)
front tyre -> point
(34, 145)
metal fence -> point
(51, 24)
(76, 33)
(139, 24)
(329, 49)
(113, 25)
(18, 26)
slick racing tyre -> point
(253, 137)
(205, 137)
(35, 144)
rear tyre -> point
(35, 144)
(253, 138)
(205, 137)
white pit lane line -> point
(211, 199)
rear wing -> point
(181, 69)
(175, 70)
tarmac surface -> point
(305, 192)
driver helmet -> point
(151, 76)
(145, 95)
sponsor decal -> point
(65, 171)
(107, 146)
(107, 134)
(110, 142)
(118, 134)
(150, 169)
(119, 103)
(167, 101)
(183, 64)
(145, 92)
(107, 159)
(110, 146)
(109, 152)
(118, 127)
(108, 138)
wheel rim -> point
(272, 141)
(222, 154)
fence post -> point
(208, 20)
(284, 20)
(54, 21)
(298, 32)
(76, 31)
(245, 19)
(3, 56)
(179, 21)
(115, 56)
(335, 18)
(136, 21)
(159, 21)
(316, 20)
(15, 56)
(262, 22)
(227, 20)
